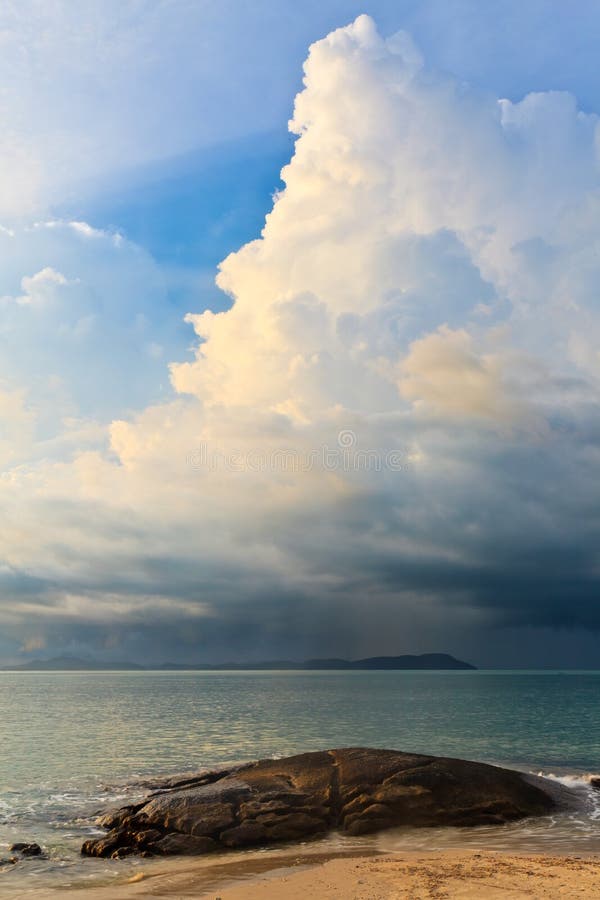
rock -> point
(355, 790)
(105, 846)
(197, 811)
(128, 840)
(370, 818)
(147, 837)
(183, 844)
(9, 861)
(431, 791)
(122, 852)
(26, 849)
(114, 818)
(292, 826)
(248, 834)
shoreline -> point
(289, 875)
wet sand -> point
(415, 876)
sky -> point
(299, 330)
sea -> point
(75, 743)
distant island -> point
(374, 663)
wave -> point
(586, 785)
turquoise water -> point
(73, 743)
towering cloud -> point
(390, 439)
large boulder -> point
(355, 790)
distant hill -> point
(421, 662)
(69, 664)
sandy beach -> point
(443, 875)
(414, 876)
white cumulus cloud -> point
(412, 205)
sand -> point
(414, 876)
(443, 875)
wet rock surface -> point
(24, 848)
(357, 791)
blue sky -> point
(230, 110)
(230, 118)
(226, 76)
(425, 285)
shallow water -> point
(73, 743)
